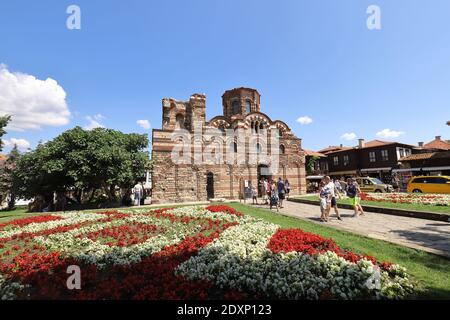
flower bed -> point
(183, 253)
(409, 198)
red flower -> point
(297, 240)
(223, 208)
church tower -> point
(239, 102)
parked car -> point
(368, 184)
(429, 184)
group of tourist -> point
(273, 192)
(330, 190)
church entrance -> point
(210, 185)
(263, 173)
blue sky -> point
(306, 58)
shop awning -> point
(376, 169)
(337, 173)
(314, 177)
(424, 169)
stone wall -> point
(175, 182)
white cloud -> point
(94, 122)
(31, 102)
(388, 133)
(144, 124)
(22, 144)
(304, 120)
(348, 136)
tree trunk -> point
(11, 202)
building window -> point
(248, 106)
(233, 146)
(282, 149)
(384, 155)
(372, 157)
(258, 148)
(236, 107)
(346, 160)
(407, 152)
(336, 161)
(278, 133)
(402, 152)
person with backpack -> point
(281, 191)
(354, 194)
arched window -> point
(258, 148)
(222, 128)
(234, 147)
(248, 106)
(282, 149)
(278, 133)
(235, 107)
(179, 121)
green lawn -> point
(19, 212)
(431, 271)
(392, 205)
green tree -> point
(8, 178)
(311, 163)
(3, 123)
(83, 161)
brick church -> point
(222, 157)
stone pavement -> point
(427, 235)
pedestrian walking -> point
(281, 191)
(274, 199)
(288, 188)
(338, 185)
(395, 183)
(334, 195)
(354, 194)
(343, 184)
(325, 200)
(138, 192)
(254, 195)
(266, 191)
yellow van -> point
(429, 184)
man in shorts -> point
(336, 192)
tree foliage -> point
(79, 160)
(311, 163)
(7, 177)
(3, 123)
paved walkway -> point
(428, 235)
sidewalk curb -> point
(395, 212)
